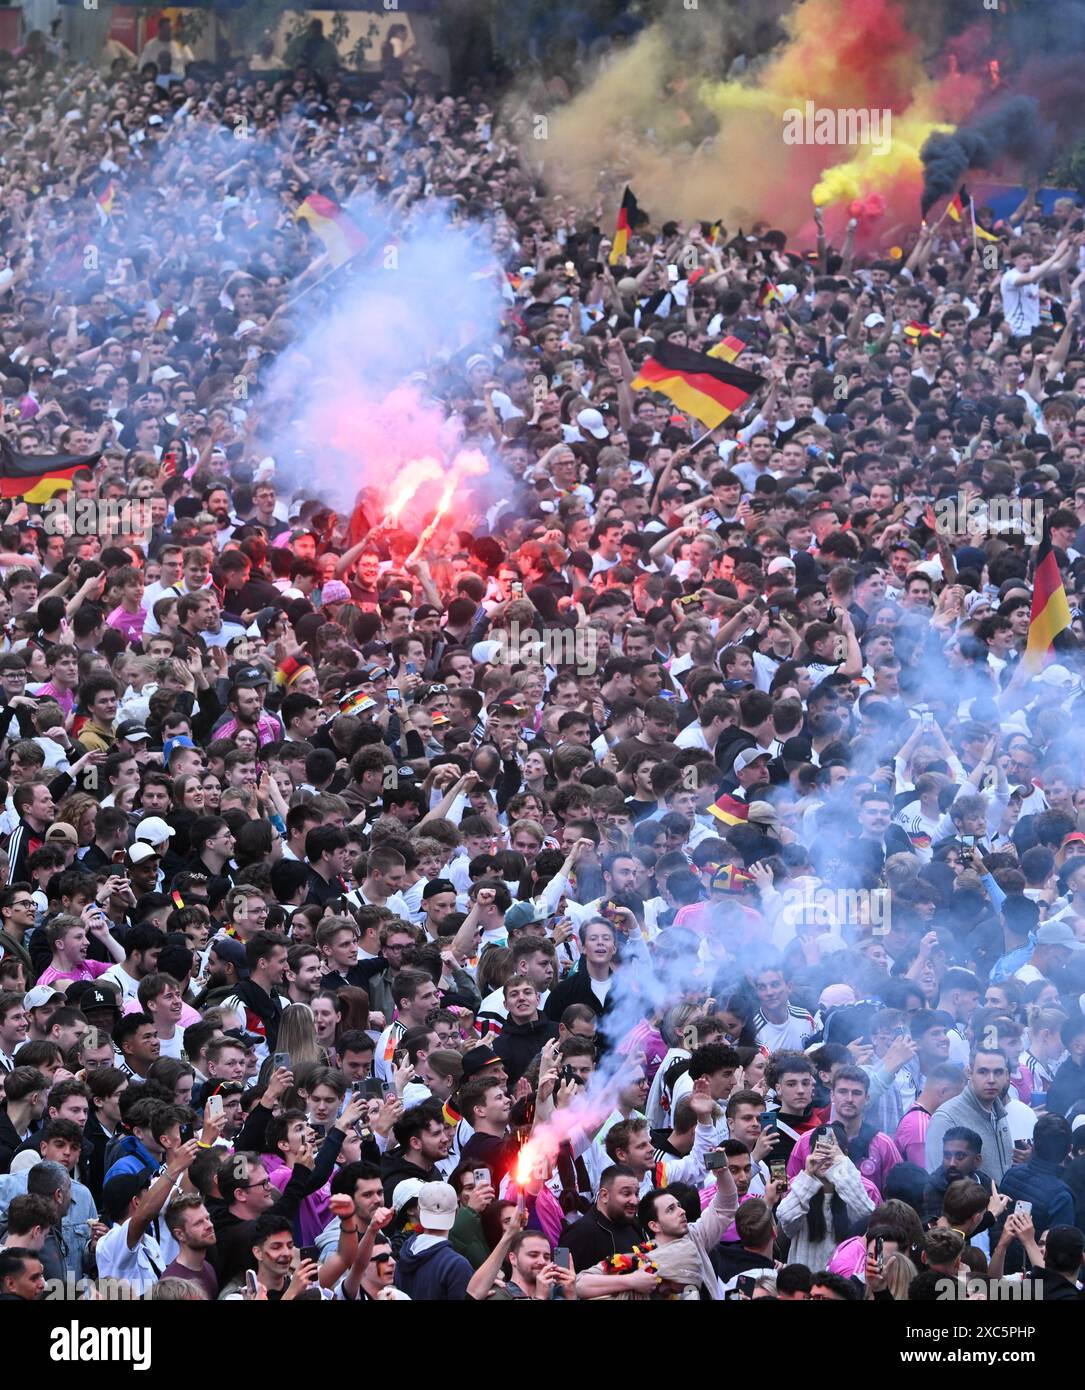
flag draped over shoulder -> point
(341, 235)
(704, 386)
(38, 477)
(1050, 611)
(627, 216)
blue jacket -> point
(59, 1258)
(133, 1158)
(435, 1274)
(1039, 1181)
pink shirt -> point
(131, 624)
(64, 698)
(189, 1015)
(89, 970)
(911, 1136)
(881, 1157)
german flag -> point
(705, 387)
(768, 294)
(915, 331)
(729, 349)
(341, 235)
(627, 217)
(981, 232)
(106, 199)
(39, 477)
(1050, 611)
(956, 212)
(730, 810)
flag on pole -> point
(1050, 611)
(977, 230)
(705, 387)
(956, 206)
(627, 216)
(341, 235)
(768, 294)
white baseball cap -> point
(592, 421)
(406, 1191)
(153, 830)
(437, 1206)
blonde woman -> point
(297, 1036)
(896, 1278)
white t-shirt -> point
(129, 988)
(692, 736)
(601, 988)
(141, 1266)
(1020, 303)
(173, 1047)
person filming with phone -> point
(823, 1202)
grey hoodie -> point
(992, 1126)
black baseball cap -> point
(118, 1192)
(478, 1059)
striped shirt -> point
(790, 1035)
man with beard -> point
(962, 1154)
(680, 1248)
(245, 705)
(256, 998)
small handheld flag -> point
(1050, 610)
(728, 349)
(105, 201)
(627, 217)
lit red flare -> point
(525, 1163)
(407, 483)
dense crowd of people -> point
(663, 878)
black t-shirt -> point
(497, 1154)
(593, 1238)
